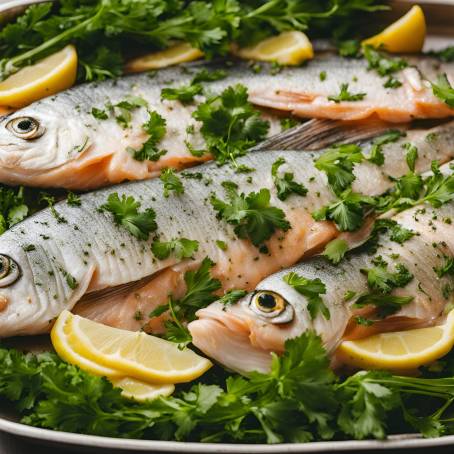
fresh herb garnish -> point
(447, 268)
(311, 289)
(232, 296)
(252, 215)
(204, 75)
(171, 182)
(288, 123)
(13, 208)
(335, 250)
(383, 281)
(350, 48)
(99, 114)
(285, 184)
(122, 111)
(442, 90)
(50, 201)
(155, 127)
(125, 212)
(384, 65)
(345, 95)
(397, 233)
(338, 162)
(185, 94)
(73, 200)
(446, 54)
(347, 212)
(376, 153)
(230, 125)
(181, 248)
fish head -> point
(242, 336)
(40, 138)
(35, 284)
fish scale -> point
(117, 258)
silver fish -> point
(80, 259)
(242, 336)
(58, 142)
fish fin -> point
(317, 134)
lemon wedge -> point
(405, 35)
(139, 390)
(135, 354)
(401, 350)
(288, 48)
(179, 53)
(46, 77)
(60, 340)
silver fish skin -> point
(242, 336)
(62, 263)
(57, 142)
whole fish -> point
(76, 257)
(242, 336)
(69, 140)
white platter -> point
(440, 15)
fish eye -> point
(25, 128)
(272, 306)
(9, 271)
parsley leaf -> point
(442, 90)
(376, 154)
(285, 184)
(446, 54)
(73, 200)
(171, 182)
(384, 65)
(347, 212)
(230, 124)
(50, 200)
(185, 94)
(345, 95)
(311, 289)
(125, 212)
(398, 233)
(181, 248)
(13, 208)
(99, 114)
(232, 296)
(446, 269)
(155, 127)
(384, 281)
(335, 250)
(252, 215)
(204, 75)
(349, 48)
(338, 162)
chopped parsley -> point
(446, 54)
(181, 248)
(232, 296)
(99, 114)
(185, 94)
(288, 123)
(13, 208)
(285, 184)
(171, 182)
(222, 245)
(335, 250)
(50, 200)
(311, 289)
(338, 162)
(345, 95)
(73, 200)
(350, 48)
(446, 269)
(122, 111)
(126, 213)
(200, 292)
(347, 212)
(204, 75)
(376, 153)
(252, 215)
(155, 127)
(442, 90)
(230, 125)
(384, 65)
(397, 233)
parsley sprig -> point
(230, 125)
(125, 211)
(252, 214)
(311, 289)
(345, 95)
(285, 184)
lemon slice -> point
(400, 350)
(288, 48)
(405, 35)
(179, 53)
(136, 354)
(139, 390)
(59, 336)
(46, 77)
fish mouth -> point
(226, 338)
